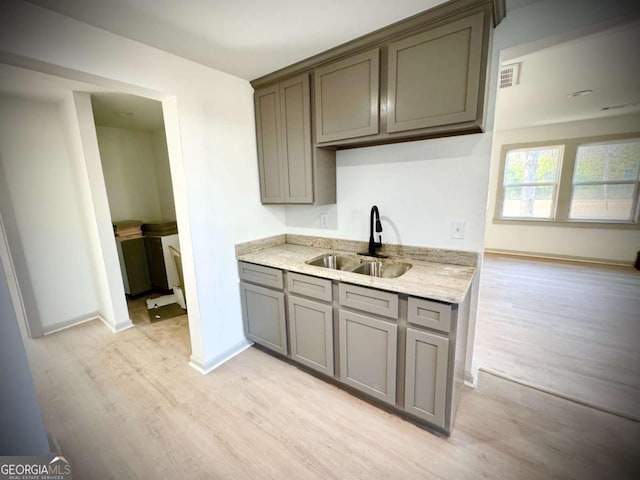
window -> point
(590, 181)
(530, 182)
(605, 181)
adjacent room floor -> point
(569, 328)
(129, 406)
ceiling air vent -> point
(509, 75)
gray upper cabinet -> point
(268, 125)
(426, 376)
(347, 97)
(283, 119)
(434, 78)
(290, 169)
(295, 115)
(368, 355)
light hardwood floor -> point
(569, 328)
(128, 406)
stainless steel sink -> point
(382, 269)
(361, 266)
(336, 262)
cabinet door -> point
(155, 260)
(426, 376)
(295, 115)
(434, 77)
(311, 334)
(347, 97)
(368, 349)
(135, 260)
(267, 104)
(263, 316)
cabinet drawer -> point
(267, 276)
(429, 314)
(369, 300)
(308, 286)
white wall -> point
(212, 152)
(163, 174)
(612, 244)
(419, 187)
(129, 169)
(39, 175)
(83, 145)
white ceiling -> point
(21, 82)
(607, 62)
(250, 38)
(126, 111)
(247, 38)
(109, 109)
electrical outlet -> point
(457, 230)
(324, 220)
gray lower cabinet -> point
(426, 373)
(311, 333)
(156, 263)
(263, 314)
(427, 88)
(405, 351)
(134, 267)
(368, 352)
(346, 97)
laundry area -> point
(135, 163)
(151, 266)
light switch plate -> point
(457, 230)
(324, 220)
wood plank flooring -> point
(569, 328)
(128, 406)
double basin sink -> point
(354, 264)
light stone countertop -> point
(445, 282)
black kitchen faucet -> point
(375, 214)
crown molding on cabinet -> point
(433, 17)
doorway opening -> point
(135, 163)
(558, 296)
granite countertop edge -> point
(437, 280)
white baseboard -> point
(471, 377)
(120, 327)
(552, 256)
(210, 365)
(48, 330)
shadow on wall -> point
(420, 150)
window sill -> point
(567, 223)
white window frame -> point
(633, 217)
(564, 191)
(555, 185)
